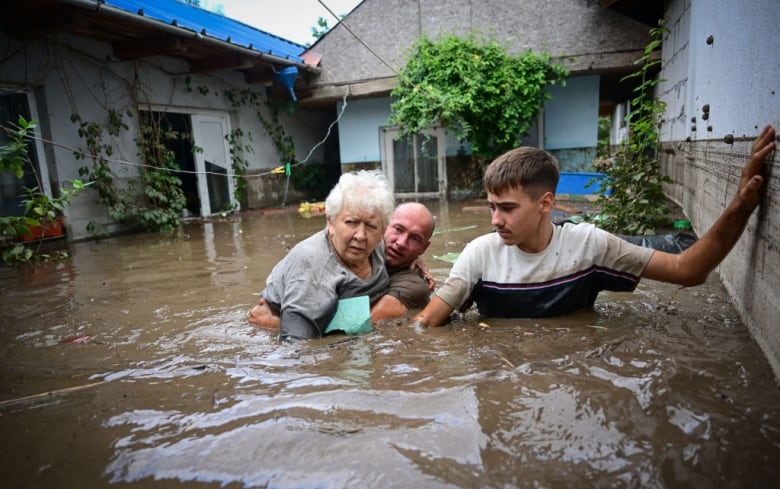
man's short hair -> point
(531, 169)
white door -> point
(216, 187)
(415, 166)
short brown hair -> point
(531, 169)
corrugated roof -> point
(210, 24)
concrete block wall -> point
(721, 84)
(706, 175)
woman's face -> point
(354, 234)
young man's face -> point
(519, 218)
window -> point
(415, 166)
(12, 189)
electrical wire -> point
(84, 155)
(278, 170)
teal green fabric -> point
(353, 316)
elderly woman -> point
(344, 260)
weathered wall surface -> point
(723, 56)
(590, 37)
(70, 75)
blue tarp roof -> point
(215, 25)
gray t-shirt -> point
(306, 285)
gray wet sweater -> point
(306, 285)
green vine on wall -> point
(282, 141)
(238, 161)
(117, 200)
(164, 198)
(312, 180)
(631, 197)
(162, 186)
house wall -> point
(586, 37)
(359, 129)
(363, 62)
(73, 75)
(738, 76)
(359, 132)
(571, 123)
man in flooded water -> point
(529, 267)
(406, 238)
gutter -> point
(100, 6)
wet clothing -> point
(506, 282)
(307, 283)
(409, 287)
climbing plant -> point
(162, 186)
(274, 128)
(238, 161)
(99, 150)
(474, 88)
(38, 209)
(631, 197)
(163, 198)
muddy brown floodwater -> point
(132, 364)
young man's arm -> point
(692, 266)
(435, 313)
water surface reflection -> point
(156, 378)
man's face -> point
(518, 218)
(407, 236)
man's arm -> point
(387, 307)
(435, 313)
(692, 266)
(407, 290)
(264, 315)
(420, 265)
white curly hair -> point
(362, 190)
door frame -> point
(201, 156)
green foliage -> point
(602, 148)
(14, 155)
(238, 162)
(38, 208)
(117, 200)
(320, 29)
(475, 89)
(162, 186)
(315, 181)
(282, 141)
(164, 198)
(636, 204)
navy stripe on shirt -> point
(550, 298)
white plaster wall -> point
(587, 35)
(571, 116)
(738, 76)
(359, 129)
(672, 88)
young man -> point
(531, 268)
(406, 238)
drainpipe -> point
(99, 5)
